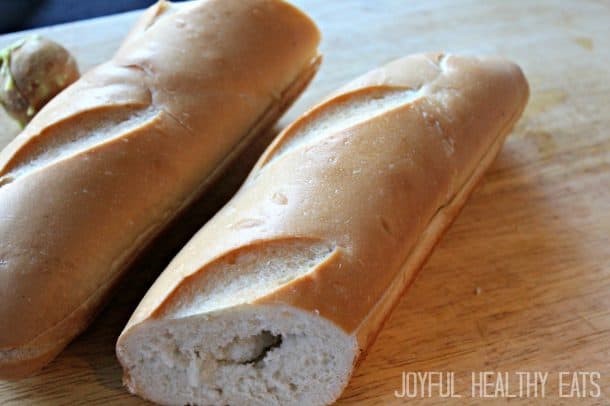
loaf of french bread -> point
(277, 297)
(108, 163)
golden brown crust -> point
(373, 190)
(196, 83)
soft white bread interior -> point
(108, 163)
(276, 298)
(242, 355)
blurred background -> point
(17, 15)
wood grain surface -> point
(521, 282)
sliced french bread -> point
(108, 163)
(274, 300)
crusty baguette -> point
(276, 298)
(108, 163)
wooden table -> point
(521, 282)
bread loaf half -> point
(110, 161)
(277, 297)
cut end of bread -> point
(248, 354)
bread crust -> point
(199, 83)
(371, 189)
(379, 189)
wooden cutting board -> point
(521, 282)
